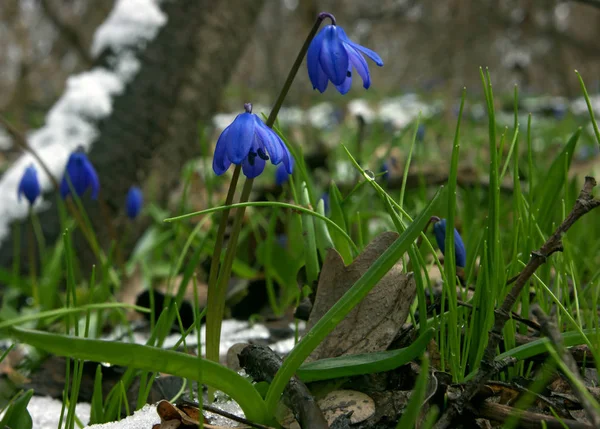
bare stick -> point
(489, 367)
(262, 363)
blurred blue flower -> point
(80, 172)
(385, 170)
(331, 57)
(29, 185)
(439, 230)
(281, 175)
(249, 142)
(325, 198)
(134, 202)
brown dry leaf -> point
(184, 415)
(343, 402)
(372, 324)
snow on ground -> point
(87, 99)
(144, 418)
(45, 412)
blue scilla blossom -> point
(385, 170)
(439, 230)
(281, 175)
(331, 57)
(29, 186)
(82, 175)
(134, 202)
(249, 142)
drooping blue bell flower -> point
(134, 202)
(439, 230)
(29, 186)
(82, 175)
(249, 142)
(331, 57)
(281, 175)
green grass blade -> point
(368, 363)
(589, 106)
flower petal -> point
(92, 179)
(345, 87)
(64, 187)
(287, 159)
(268, 138)
(333, 56)
(251, 171)
(220, 161)
(360, 64)
(240, 137)
(312, 58)
(369, 53)
(322, 80)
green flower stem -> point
(216, 297)
(215, 317)
(32, 260)
(214, 264)
(294, 71)
(216, 292)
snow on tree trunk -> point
(161, 68)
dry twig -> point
(489, 366)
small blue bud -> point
(134, 202)
(29, 185)
(82, 175)
(439, 230)
(331, 57)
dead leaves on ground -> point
(372, 325)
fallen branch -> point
(262, 364)
(551, 331)
(489, 367)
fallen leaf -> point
(372, 325)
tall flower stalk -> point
(218, 279)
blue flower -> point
(331, 57)
(385, 170)
(81, 174)
(439, 230)
(281, 175)
(29, 185)
(326, 205)
(249, 142)
(134, 202)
